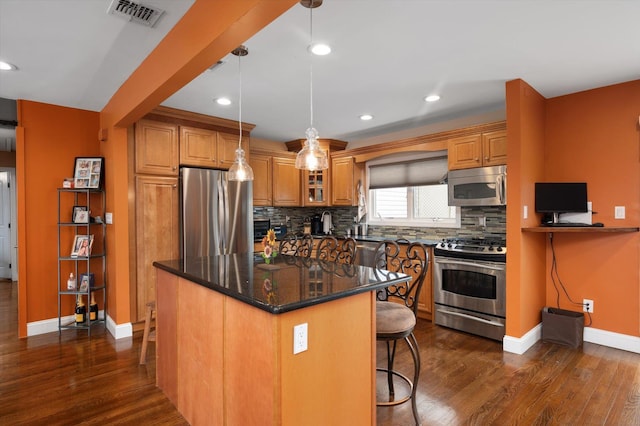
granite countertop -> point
(377, 239)
(286, 284)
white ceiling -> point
(387, 55)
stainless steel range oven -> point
(469, 286)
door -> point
(5, 226)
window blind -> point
(426, 171)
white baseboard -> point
(118, 331)
(520, 345)
(611, 339)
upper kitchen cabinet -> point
(486, 149)
(262, 165)
(346, 174)
(207, 148)
(156, 148)
(286, 182)
(316, 189)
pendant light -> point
(311, 157)
(240, 170)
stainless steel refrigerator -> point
(216, 214)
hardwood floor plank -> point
(69, 379)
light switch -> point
(108, 218)
(525, 212)
(619, 212)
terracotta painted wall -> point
(593, 136)
(526, 274)
(48, 140)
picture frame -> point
(88, 172)
(80, 214)
(82, 246)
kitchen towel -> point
(362, 202)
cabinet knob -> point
(486, 158)
(174, 186)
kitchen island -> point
(225, 340)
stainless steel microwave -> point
(481, 186)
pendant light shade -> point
(311, 157)
(240, 170)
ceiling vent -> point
(135, 12)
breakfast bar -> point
(225, 339)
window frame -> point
(410, 220)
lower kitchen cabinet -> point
(425, 301)
(157, 233)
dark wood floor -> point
(70, 380)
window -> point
(418, 196)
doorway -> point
(8, 236)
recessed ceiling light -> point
(223, 101)
(432, 98)
(320, 49)
(366, 117)
(6, 66)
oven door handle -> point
(471, 317)
(475, 265)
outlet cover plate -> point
(300, 338)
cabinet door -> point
(316, 186)
(425, 300)
(156, 148)
(198, 147)
(157, 233)
(262, 179)
(494, 148)
(465, 152)
(286, 182)
(227, 145)
(343, 190)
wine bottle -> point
(93, 309)
(81, 310)
(71, 282)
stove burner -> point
(489, 248)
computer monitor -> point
(553, 198)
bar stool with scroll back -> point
(396, 310)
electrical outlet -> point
(619, 212)
(108, 218)
(587, 305)
(300, 338)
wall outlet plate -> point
(300, 338)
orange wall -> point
(48, 140)
(525, 159)
(593, 136)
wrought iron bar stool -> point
(330, 249)
(396, 310)
(294, 245)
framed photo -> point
(82, 246)
(88, 172)
(80, 214)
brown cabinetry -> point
(286, 182)
(425, 301)
(157, 233)
(346, 174)
(316, 185)
(156, 148)
(262, 166)
(486, 149)
(207, 148)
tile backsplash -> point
(495, 222)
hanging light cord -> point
(240, 101)
(311, 67)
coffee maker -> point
(316, 225)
